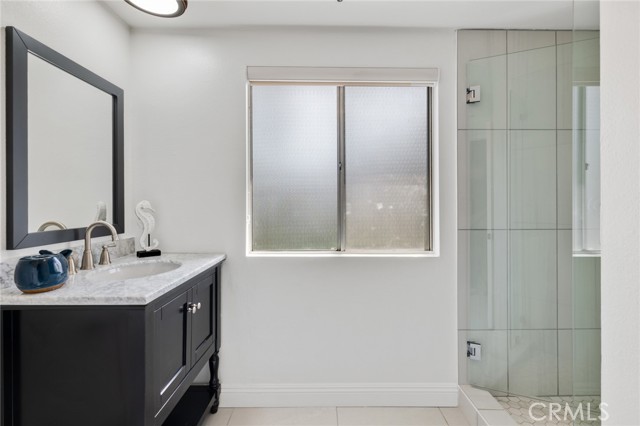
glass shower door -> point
(528, 222)
(483, 236)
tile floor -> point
(334, 416)
(518, 407)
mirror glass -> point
(70, 154)
(65, 146)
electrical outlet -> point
(474, 351)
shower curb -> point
(480, 408)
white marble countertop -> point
(82, 289)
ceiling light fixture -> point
(162, 8)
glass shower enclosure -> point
(528, 213)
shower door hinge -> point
(473, 94)
(474, 351)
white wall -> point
(87, 33)
(620, 217)
(296, 331)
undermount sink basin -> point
(131, 270)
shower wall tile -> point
(533, 362)
(563, 37)
(578, 65)
(565, 86)
(586, 61)
(491, 371)
(482, 280)
(565, 362)
(564, 183)
(533, 280)
(585, 35)
(565, 279)
(482, 179)
(532, 178)
(586, 362)
(478, 44)
(579, 363)
(586, 292)
(578, 287)
(532, 89)
(464, 266)
(518, 41)
(491, 75)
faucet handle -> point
(73, 269)
(105, 257)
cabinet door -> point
(203, 321)
(171, 348)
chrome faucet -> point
(87, 257)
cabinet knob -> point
(199, 305)
(193, 308)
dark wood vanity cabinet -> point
(184, 330)
(113, 365)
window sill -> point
(426, 254)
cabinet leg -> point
(214, 382)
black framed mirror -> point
(65, 146)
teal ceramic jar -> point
(42, 272)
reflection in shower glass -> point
(586, 169)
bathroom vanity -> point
(115, 346)
(118, 345)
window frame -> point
(342, 78)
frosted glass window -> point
(294, 171)
(386, 168)
(339, 168)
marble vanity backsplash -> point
(124, 247)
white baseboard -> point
(340, 395)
